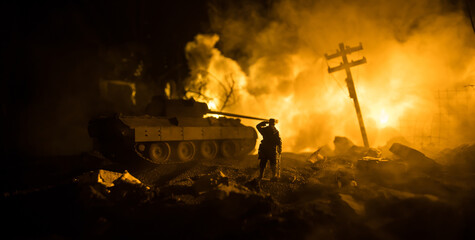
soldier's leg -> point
(273, 166)
(262, 166)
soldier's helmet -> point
(272, 121)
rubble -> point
(336, 171)
(342, 145)
(381, 170)
(106, 178)
(207, 182)
(107, 187)
(348, 164)
(461, 158)
(372, 164)
(316, 156)
(344, 148)
(333, 196)
(415, 160)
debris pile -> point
(460, 159)
(103, 187)
(349, 192)
(416, 161)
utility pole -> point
(342, 52)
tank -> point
(174, 131)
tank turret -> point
(174, 131)
(159, 106)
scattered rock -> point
(208, 182)
(342, 145)
(253, 185)
(106, 178)
(461, 158)
(329, 198)
(237, 202)
(381, 170)
(321, 154)
(103, 187)
(415, 160)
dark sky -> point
(53, 54)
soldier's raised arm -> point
(260, 126)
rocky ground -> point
(319, 196)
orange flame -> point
(286, 75)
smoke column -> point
(273, 56)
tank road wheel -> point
(230, 148)
(209, 149)
(186, 151)
(247, 145)
(159, 152)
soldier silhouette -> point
(270, 147)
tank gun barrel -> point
(235, 115)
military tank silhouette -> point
(174, 131)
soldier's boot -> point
(274, 173)
(262, 167)
(261, 173)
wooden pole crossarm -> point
(344, 51)
(349, 50)
(345, 65)
(337, 54)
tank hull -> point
(178, 139)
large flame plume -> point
(273, 62)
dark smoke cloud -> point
(414, 48)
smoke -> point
(214, 78)
(413, 49)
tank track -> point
(144, 157)
(141, 155)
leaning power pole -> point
(342, 52)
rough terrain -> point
(317, 197)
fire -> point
(284, 75)
(212, 105)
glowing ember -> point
(212, 105)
